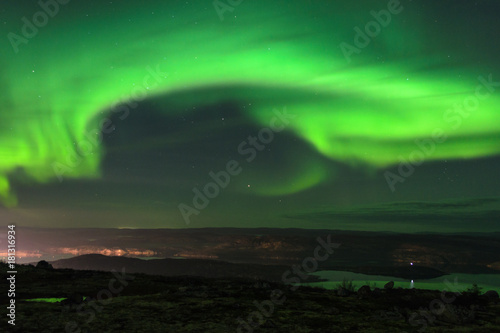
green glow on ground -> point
(48, 300)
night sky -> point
(115, 113)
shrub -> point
(475, 289)
(347, 285)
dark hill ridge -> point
(447, 253)
(217, 268)
(174, 267)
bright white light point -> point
(411, 263)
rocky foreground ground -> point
(120, 302)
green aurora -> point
(93, 60)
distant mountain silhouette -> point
(376, 253)
(172, 267)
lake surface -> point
(451, 282)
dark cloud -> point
(481, 214)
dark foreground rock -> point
(364, 292)
(491, 294)
(389, 285)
